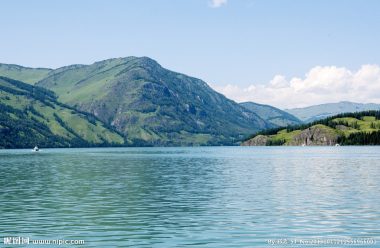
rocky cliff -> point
(259, 140)
(318, 135)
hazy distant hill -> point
(271, 114)
(24, 74)
(32, 116)
(152, 105)
(316, 112)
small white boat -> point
(36, 149)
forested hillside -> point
(359, 128)
(31, 115)
(152, 105)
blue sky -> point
(239, 43)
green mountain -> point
(273, 115)
(31, 115)
(151, 105)
(359, 128)
(317, 112)
(24, 74)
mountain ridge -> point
(25, 74)
(151, 105)
(320, 111)
(137, 96)
(272, 114)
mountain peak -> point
(149, 103)
(122, 60)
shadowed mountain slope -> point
(32, 116)
(271, 114)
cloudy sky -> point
(288, 53)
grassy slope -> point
(149, 103)
(345, 127)
(24, 74)
(77, 127)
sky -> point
(286, 53)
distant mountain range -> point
(317, 112)
(275, 116)
(132, 101)
(144, 102)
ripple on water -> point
(204, 196)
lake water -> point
(201, 196)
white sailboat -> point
(36, 149)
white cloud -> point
(217, 3)
(322, 84)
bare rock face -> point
(315, 136)
(342, 127)
(259, 140)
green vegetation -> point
(31, 115)
(135, 102)
(361, 138)
(124, 101)
(359, 128)
(24, 74)
(153, 106)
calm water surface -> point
(176, 197)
